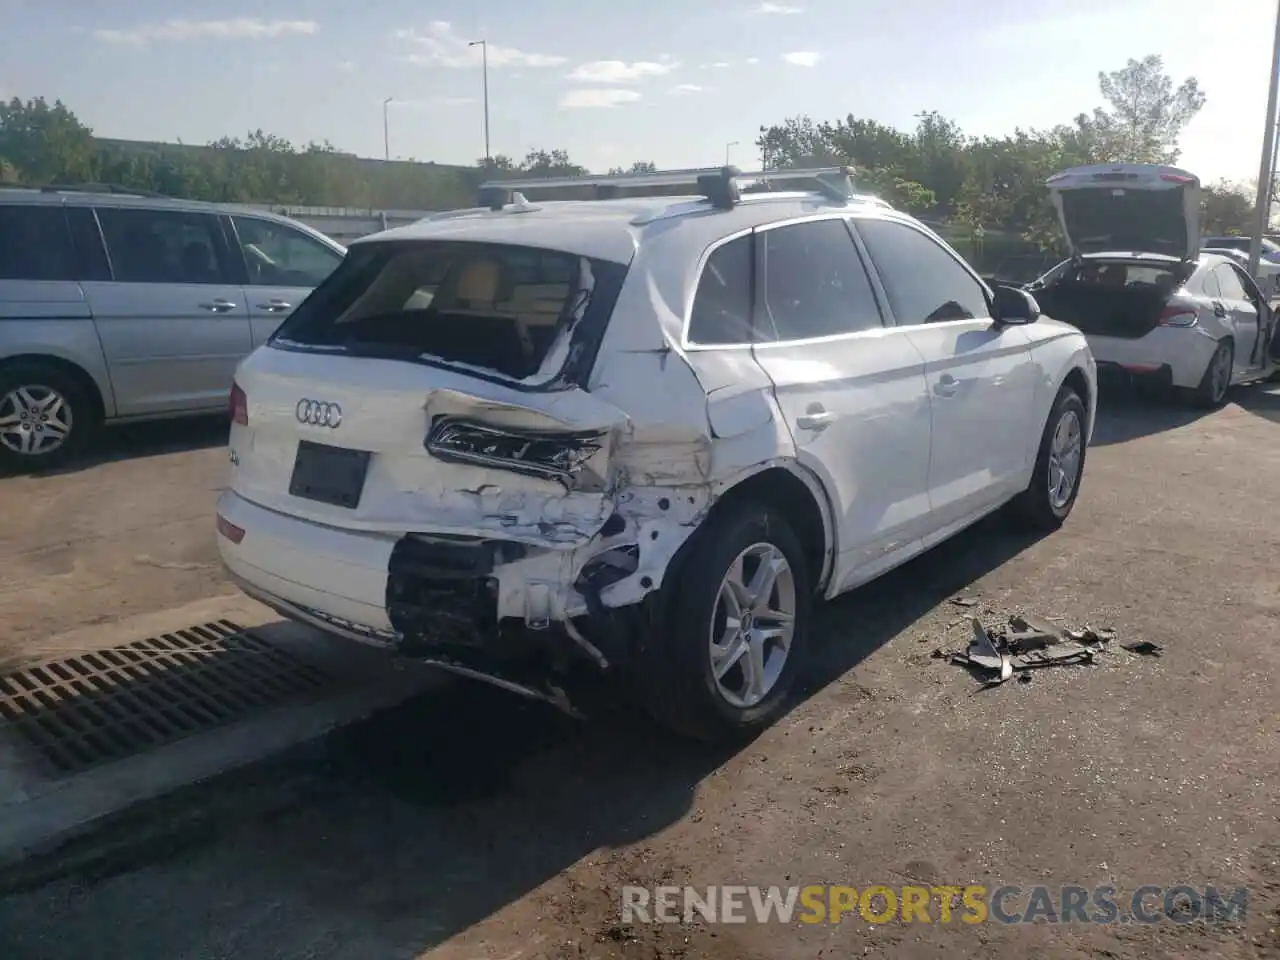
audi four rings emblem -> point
(319, 414)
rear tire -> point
(1215, 385)
(47, 417)
(1055, 482)
(678, 666)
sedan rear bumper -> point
(1174, 356)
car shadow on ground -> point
(137, 440)
(429, 817)
(1262, 401)
(1126, 413)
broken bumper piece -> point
(467, 602)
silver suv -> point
(117, 306)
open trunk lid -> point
(1128, 208)
(390, 446)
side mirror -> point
(1014, 306)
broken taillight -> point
(239, 405)
(552, 455)
(1178, 315)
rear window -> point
(501, 308)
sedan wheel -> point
(1217, 376)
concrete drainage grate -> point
(109, 704)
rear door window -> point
(924, 282)
(492, 306)
(164, 246)
(815, 283)
(35, 243)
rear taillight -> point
(1176, 178)
(230, 530)
(1178, 315)
(239, 406)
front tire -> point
(1055, 483)
(46, 417)
(735, 630)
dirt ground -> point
(468, 824)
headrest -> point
(480, 282)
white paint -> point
(682, 427)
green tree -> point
(1226, 209)
(1147, 113)
(47, 142)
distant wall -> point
(345, 224)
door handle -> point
(818, 419)
(275, 306)
(946, 386)
(1219, 310)
(218, 306)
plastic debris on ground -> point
(1026, 643)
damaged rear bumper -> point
(430, 593)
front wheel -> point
(1055, 484)
(736, 629)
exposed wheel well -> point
(76, 372)
(784, 492)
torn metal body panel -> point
(491, 505)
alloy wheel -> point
(752, 625)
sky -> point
(674, 82)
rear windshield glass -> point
(501, 308)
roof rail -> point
(720, 185)
(112, 188)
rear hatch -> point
(433, 386)
(1128, 208)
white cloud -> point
(439, 46)
(585, 99)
(616, 71)
(767, 9)
(752, 61)
(244, 28)
(347, 66)
(682, 88)
(802, 58)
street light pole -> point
(484, 67)
(727, 146)
(1263, 212)
(386, 131)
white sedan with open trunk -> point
(1153, 305)
(640, 435)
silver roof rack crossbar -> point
(720, 185)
